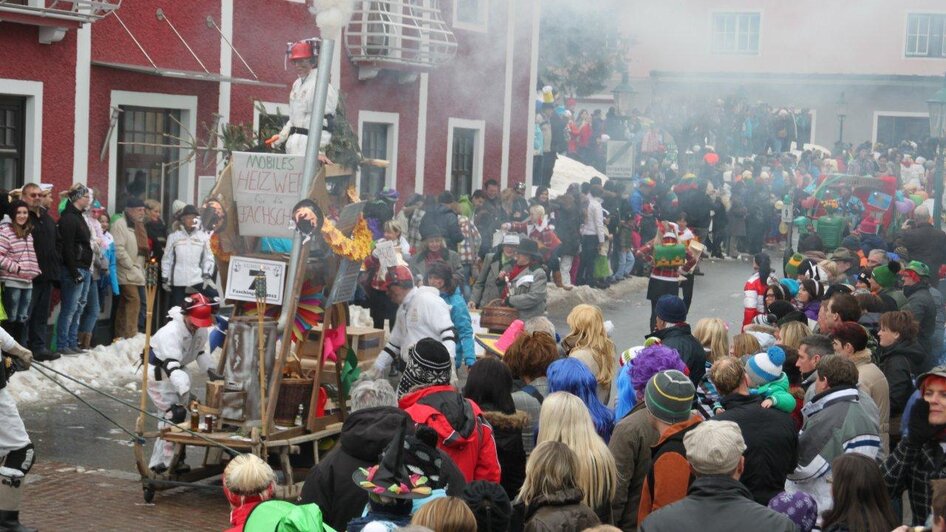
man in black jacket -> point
(674, 332)
(920, 302)
(75, 240)
(770, 436)
(374, 422)
(50, 264)
(924, 242)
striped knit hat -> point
(428, 364)
(669, 396)
(765, 367)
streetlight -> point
(623, 93)
(842, 114)
(937, 105)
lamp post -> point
(937, 105)
(842, 114)
(623, 93)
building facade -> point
(116, 95)
(874, 63)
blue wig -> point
(573, 376)
(627, 398)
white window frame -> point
(33, 122)
(737, 17)
(393, 121)
(929, 33)
(478, 151)
(271, 108)
(895, 114)
(187, 105)
(482, 27)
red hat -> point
(301, 50)
(400, 276)
(711, 159)
(199, 310)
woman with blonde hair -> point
(714, 335)
(446, 514)
(565, 418)
(791, 333)
(551, 498)
(744, 344)
(247, 481)
(588, 342)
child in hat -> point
(768, 380)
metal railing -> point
(81, 11)
(399, 33)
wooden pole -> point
(151, 287)
(261, 346)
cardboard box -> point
(365, 341)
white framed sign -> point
(241, 280)
(266, 186)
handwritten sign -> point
(241, 281)
(265, 187)
(386, 254)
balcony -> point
(55, 17)
(405, 35)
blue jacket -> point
(112, 270)
(460, 315)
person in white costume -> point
(295, 133)
(181, 341)
(16, 449)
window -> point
(464, 157)
(146, 166)
(926, 35)
(12, 141)
(471, 14)
(374, 145)
(891, 130)
(736, 33)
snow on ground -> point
(106, 367)
(560, 299)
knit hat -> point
(671, 309)
(811, 270)
(777, 310)
(886, 274)
(918, 267)
(489, 503)
(798, 506)
(791, 267)
(714, 447)
(791, 286)
(765, 367)
(669, 396)
(428, 364)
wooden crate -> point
(365, 341)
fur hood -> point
(518, 421)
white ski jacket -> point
(174, 347)
(187, 258)
(423, 314)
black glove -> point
(213, 375)
(919, 428)
(177, 413)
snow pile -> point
(559, 298)
(568, 171)
(106, 367)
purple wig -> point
(653, 360)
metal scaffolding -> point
(399, 33)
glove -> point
(176, 414)
(181, 381)
(23, 355)
(166, 286)
(919, 428)
(213, 375)
(272, 140)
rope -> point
(229, 450)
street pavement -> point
(82, 458)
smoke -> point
(331, 16)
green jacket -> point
(777, 392)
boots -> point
(557, 278)
(85, 341)
(10, 497)
(10, 522)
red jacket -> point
(463, 433)
(753, 302)
(240, 514)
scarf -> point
(141, 235)
(513, 273)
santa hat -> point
(765, 367)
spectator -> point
(573, 376)
(920, 303)
(538, 227)
(588, 342)
(635, 434)
(45, 244)
(924, 242)
(441, 277)
(593, 234)
(810, 352)
(529, 358)
(525, 284)
(668, 396)
(19, 268)
(462, 430)
(792, 333)
(568, 221)
(770, 436)
(434, 250)
(836, 423)
(717, 497)
(515, 206)
(835, 310)
(188, 261)
(808, 299)
(468, 250)
(490, 216)
(156, 228)
(100, 269)
(565, 419)
(76, 241)
(486, 289)
(860, 500)
(883, 282)
(744, 344)
(674, 332)
(800, 507)
(489, 385)
(901, 358)
(131, 251)
(409, 219)
(489, 504)
(849, 340)
(449, 514)
(440, 219)
(711, 332)
(247, 481)
(551, 497)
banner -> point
(265, 188)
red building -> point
(100, 91)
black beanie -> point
(489, 504)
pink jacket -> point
(17, 256)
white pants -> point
(565, 266)
(295, 144)
(163, 394)
(13, 434)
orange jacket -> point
(669, 477)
